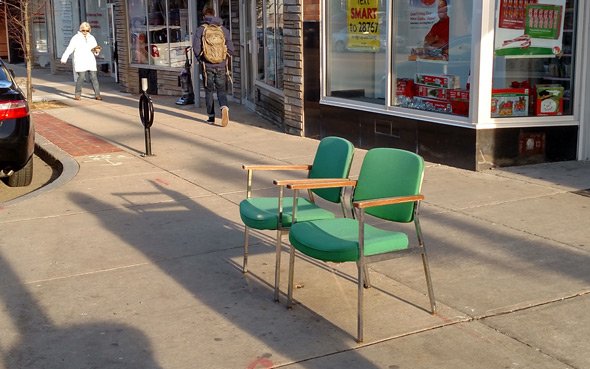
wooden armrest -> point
(387, 201)
(276, 167)
(315, 183)
(286, 182)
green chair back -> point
(387, 172)
(332, 160)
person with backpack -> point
(212, 45)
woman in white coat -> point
(85, 49)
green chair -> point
(332, 161)
(388, 187)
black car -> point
(17, 134)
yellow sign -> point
(363, 25)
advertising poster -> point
(429, 29)
(422, 17)
(363, 25)
(529, 28)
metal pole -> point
(146, 115)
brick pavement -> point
(72, 140)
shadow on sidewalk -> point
(43, 344)
(193, 260)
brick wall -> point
(293, 71)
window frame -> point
(482, 56)
(279, 51)
(167, 46)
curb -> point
(56, 158)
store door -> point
(248, 50)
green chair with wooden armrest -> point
(388, 187)
(332, 160)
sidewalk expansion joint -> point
(463, 212)
(467, 319)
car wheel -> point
(23, 177)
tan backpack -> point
(213, 41)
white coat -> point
(84, 59)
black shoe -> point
(211, 120)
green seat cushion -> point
(337, 239)
(262, 212)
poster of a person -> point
(431, 19)
(438, 36)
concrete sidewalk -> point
(134, 262)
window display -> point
(356, 45)
(534, 49)
(426, 59)
(435, 57)
(269, 34)
(159, 32)
(66, 21)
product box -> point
(405, 87)
(431, 92)
(459, 101)
(438, 80)
(549, 100)
(440, 106)
(462, 95)
(510, 102)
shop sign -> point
(363, 25)
(529, 28)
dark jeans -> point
(93, 80)
(215, 80)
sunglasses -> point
(85, 30)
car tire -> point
(22, 177)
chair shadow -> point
(182, 258)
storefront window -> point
(39, 29)
(159, 32)
(97, 16)
(269, 35)
(534, 58)
(356, 45)
(432, 55)
(66, 21)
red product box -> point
(462, 95)
(432, 92)
(510, 102)
(438, 80)
(460, 107)
(459, 101)
(435, 105)
(405, 87)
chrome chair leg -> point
(278, 264)
(429, 282)
(361, 302)
(291, 267)
(245, 262)
(425, 262)
(367, 281)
